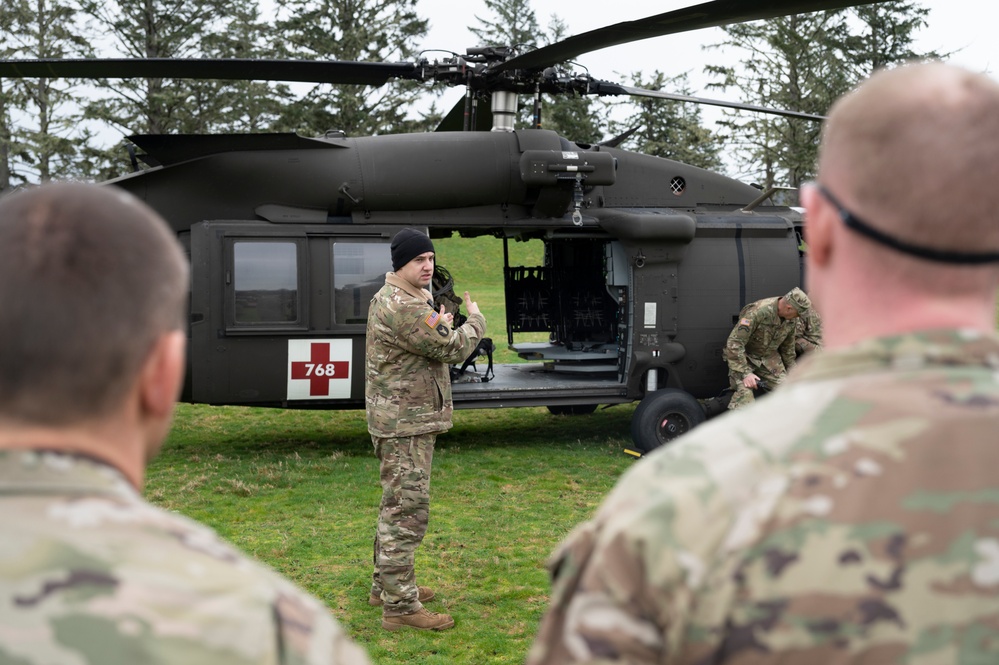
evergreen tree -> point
(513, 23)
(804, 63)
(40, 132)
(353, 30)
(8, 101)
(152, 29)
(237, 106)
(794, 64)
(177, 29)
(667, 128)
(887, 37)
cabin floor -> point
(535, 384)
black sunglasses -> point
(941, 256)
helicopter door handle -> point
(228, 278)
(345, 190)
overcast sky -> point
(965, 26)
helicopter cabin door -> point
(279, 312)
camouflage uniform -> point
(92, 574)
(761, 343)
(851, 517)
(408, 400)
(807, 333)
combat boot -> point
(425, 594)
(422, 619)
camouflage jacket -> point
(408, 347)
(91, 574)
(807, 333)
(850, 517)
(760, 339)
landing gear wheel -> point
(662, 416)
(572, 409)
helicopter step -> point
(599, 358)
(534, 384)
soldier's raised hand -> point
(470, 306)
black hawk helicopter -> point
(647, 261)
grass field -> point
(299, 491)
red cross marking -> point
(319, 370)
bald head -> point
(90, 278)
(914, 151)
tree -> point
(40, 134)
(794, 64)
(804, 63)
(666, 128)
(7, 101)
(177, 29)
(513, 24)
(359, 30)
(237, 106)
(888, 34)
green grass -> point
(299, 491)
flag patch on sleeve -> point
(744, 322)
(433, 319)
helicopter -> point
(646, 265)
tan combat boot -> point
(422, 619)
(424, 593)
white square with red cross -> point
(319, 368)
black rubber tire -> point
(662, 416)
(572, 409)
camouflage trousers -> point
(402, 519)
(743, 395)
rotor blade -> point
(705, 15)
(360, 73)
(608, 88)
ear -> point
(820, 219)
(163, 374)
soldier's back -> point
(92, 574)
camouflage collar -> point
(913, 351)
(49, 472)
(769, 308)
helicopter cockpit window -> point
(358, 272)
(265, 282)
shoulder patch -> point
(443, 330)
(433, 319)
(745, 322)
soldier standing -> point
(94, 293)
(408, 400)
(850, 517)
(761, 345)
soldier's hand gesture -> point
(470, 306)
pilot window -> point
(358, 272)
(265, 282)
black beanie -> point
(407, 245)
